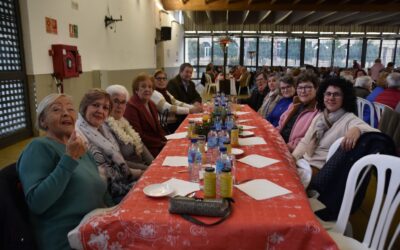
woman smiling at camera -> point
(142, 114)
(93, 111)
(60, 179)
(337, 102)
(132, 148)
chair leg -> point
(248, 90)
(239, 90)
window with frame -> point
(372, 52)
(15, 122)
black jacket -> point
(256, 99)
(175, 87)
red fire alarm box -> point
(66, 61)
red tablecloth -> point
(283, 222)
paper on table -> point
(196, 119)
(261, 189)
(182, 187)
(316, 204)
(251, 141)
(241, 112)
(258, 161)
(245, 127)
(244, 120)
(175, 161)
(176, 136)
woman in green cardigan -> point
(60, 179)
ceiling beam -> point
(277, 6)
(299, 15)
(264, 15)
(375, 19)
(210, 17)
(320, 15)
(245, 15)
(337, 17)
(281, 16)
(355, 18)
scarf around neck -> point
(165, 94)
(323, 124)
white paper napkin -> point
(244, 120)
(196, 119)
(258, 161)
(252, 141)
(182, 187)
(175, 161)
(246, 127)
(241, 112)
(176, 136)
(261, 189)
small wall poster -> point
(51, 25)
(73, 30)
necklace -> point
(125, 133)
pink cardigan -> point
(301, 124)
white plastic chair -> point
(383, 209)
(210, 84)
(379, 108)
(361, 104)
(246, 84)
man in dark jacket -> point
(182, 87)
(257, 96)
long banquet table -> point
(283, 222)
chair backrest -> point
(208, 78)
(390, 125)
(379, 108)
(384, 207)
(245, 79)
(334, 147)
(15, 227)
(361, 104)
(163, 117)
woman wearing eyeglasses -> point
(337, 103)
(294, 122)
(177, 110)
(132, 148)
(94, 109)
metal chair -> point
(361, 104)
(384, 208)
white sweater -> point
(174, 108)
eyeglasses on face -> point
(119, 102)
(161, 78)
(332, 94)
(286, 88)
(304, 88)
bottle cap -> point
(222, 149)
(209, 169)
(193, 140)
(227, 142)
(226, 170)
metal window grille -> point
(14, 106)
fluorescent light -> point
(388, 33)
(190, 32)
(310, 32)
(279, 32)
(341, 33)
(326, 33)
(203, 31)
(266, 32)
(297, 32)
(249, 31)
(235, 31)
(219, 32)
(373, 33)
(357, 33)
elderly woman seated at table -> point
(295, 121)
(93, 111)
(287, 91)
(271, 96)
(142, 114)
(337, 103)
(132, 148)
(60, 179)
(163, 100)
(363, 86)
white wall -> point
(129, 46)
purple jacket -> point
(301, 124)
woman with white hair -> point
(132, 148)
(363, 86)
(59, 177)
(391, 95)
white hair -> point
(117, 89)
(363, 82)
(44, 104)
(393, 80)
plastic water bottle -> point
(229, 122)
(223, 136)
(217, 122)
(194, 161)
(212, 146)
(223, 160)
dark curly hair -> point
(349, 97)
